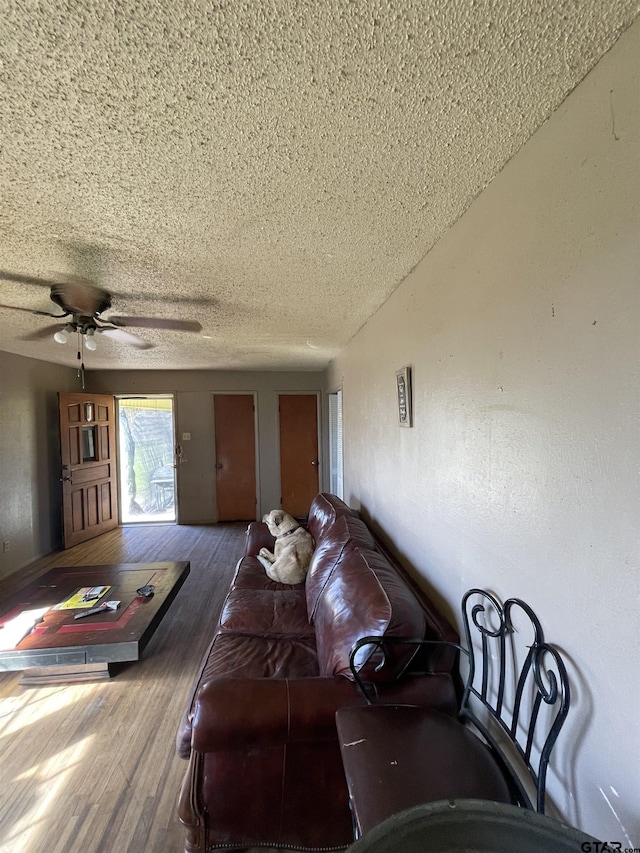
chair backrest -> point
(516, 694)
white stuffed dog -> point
(291, 553)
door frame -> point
(256, 440)
(318, 396)
(166, 395)
(339, 480)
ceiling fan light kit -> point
(89, 340)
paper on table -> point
(86, 596)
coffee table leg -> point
(72, 673)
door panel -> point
(299, 482)
(235, 445)
(88, 451)
(82, 474)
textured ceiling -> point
(272, 169)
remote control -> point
(92, 612)
(102, 608)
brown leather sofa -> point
(259, 726)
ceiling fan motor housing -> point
(81, 300)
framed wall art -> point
(403, 385)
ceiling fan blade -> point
(123, 337)
(45, 332)
(174, 299)
(34, 311)
(5, 275)
(157, 323)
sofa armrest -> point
(236, 712)
(258, 537)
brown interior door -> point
(235, 444)
(89, 478)
(298, 452)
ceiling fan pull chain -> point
(80, 359)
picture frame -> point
(403, 388)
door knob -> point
(315, 462)
(219, 465)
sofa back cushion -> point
(346, 533)
(324, 510)
(365, 596)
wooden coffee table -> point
(63, 649)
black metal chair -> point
(514, 702)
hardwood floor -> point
(91, 768)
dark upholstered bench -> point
(515, 700)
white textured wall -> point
(520, 473)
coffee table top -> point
(118, 635)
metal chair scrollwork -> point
(516, 695)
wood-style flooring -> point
(92, 768)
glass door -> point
(147, 468)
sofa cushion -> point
(245, 656)
(324, 510)
(263, 612)
(346, 532)
(364, 596)
(250, 574)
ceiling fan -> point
(82, 303)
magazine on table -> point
(86, 596)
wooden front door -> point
(235, 442)
(89, 478)
(298, 452)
